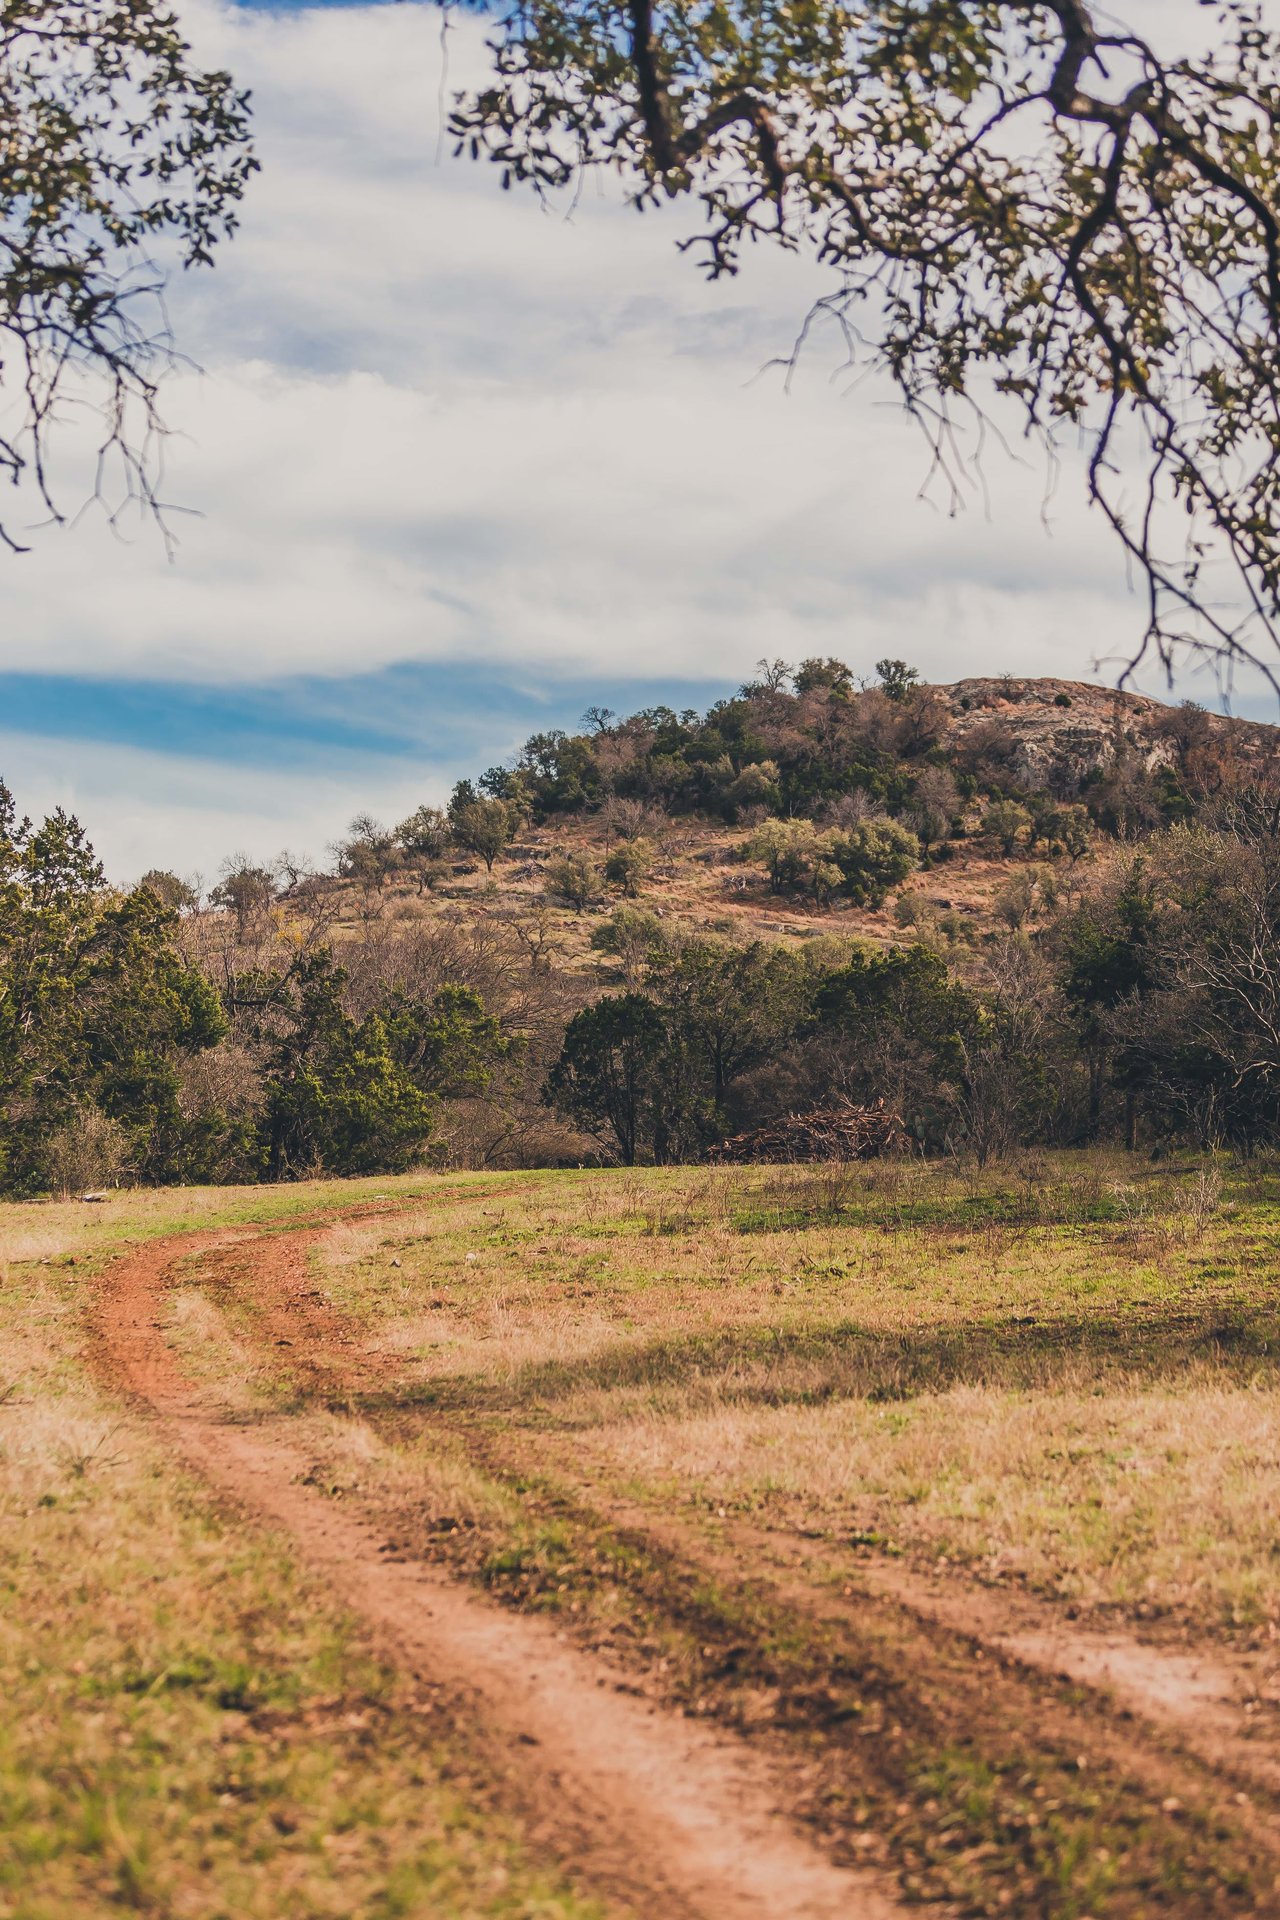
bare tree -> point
(113, 146)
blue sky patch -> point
(448, 719)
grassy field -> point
(713, 1424)
(186, 1725)
(1067, 1380)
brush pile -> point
(845, 1132)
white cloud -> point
(147, 809)
(439, 423)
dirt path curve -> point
(1218, 1704)
(645, 1807)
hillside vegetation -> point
(1005, 912)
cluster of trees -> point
(841, 791)
(234, 1047)
(1145, 1008)
(861, 862)
(786, 744)
(98, 1010)
(1135, 998)
(808, 744)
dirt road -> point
(657, 1812)
(643, 1806)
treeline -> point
(840, 790)
(147, 1035)
(808, 743)
(218, 1048)
(137, 1042)
(1145, 1009)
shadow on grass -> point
(764, 1367)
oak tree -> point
(1018, 197)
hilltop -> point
(1132, 762)
(1074, 725)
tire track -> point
(648, 1809)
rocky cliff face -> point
(1069, 728)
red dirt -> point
(1219, 1704)
(1210, 1700)
(642, 1806)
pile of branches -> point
(845, 1132)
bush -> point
(88, 1150)
(1005, 820)
(756, 786)
(574, 879)
(629, 866)
(1075, 831)
(872, 858)
(424, 842)
(169, 890)
(787, 849)
(631, 937)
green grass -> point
(1066, 1375)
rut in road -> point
(1206, 1699)
(641, 1805)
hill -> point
(1135, 763)
(1001, 913)
(1072, 726)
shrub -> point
(756, 786)
(1005, 820)
(169, 890)
(1016, 901)
(1075, 831)
(631, 937)
(786, 848)
(483, 827)
(574, 879)
(872, 857)
(424, 841)
(629, 866)
(88, 1150)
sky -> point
(454, 466)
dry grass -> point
(350, 1458)
(1060, 1375)
(1162, 1499)
(186, 1726)
(212, 1356)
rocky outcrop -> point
(1064, 730)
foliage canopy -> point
(1017, 195)
(116, 150)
